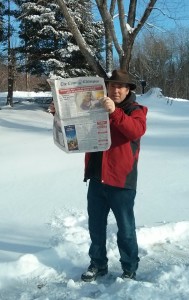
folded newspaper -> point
(81, 124)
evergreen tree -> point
(1, 21)
(47, 43)
(1, 27)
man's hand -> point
(108, 104)
(51, 108)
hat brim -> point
(132, 86)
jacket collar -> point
(131, 98)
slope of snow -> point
(44, 238)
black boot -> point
(128, 275)
(93, 272)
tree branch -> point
(84, 48)
(108, 22)
(132, 13)
(145, 16)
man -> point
(113, 179)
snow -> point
(44, 237)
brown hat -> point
(122, 77)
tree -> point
(162, 60)
(8, 51)
(151, 58)
(1, 21)
(129, 30)
(11, 59)
(47, 41)
(181, 60)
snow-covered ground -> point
(43, 221)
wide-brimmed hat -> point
(122, 77)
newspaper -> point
(81, 124)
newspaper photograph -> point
(80, 124)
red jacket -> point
(119, 162)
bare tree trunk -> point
(84, 48)
(109, 51)
(27, 75)
(10, 64)
(27, 81)
(128, 30)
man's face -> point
(117, 91)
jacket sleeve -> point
(132, 126)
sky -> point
(167, 15)
(44, 236)
(171, 13)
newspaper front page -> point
(81, 124)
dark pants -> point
(102, 198)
